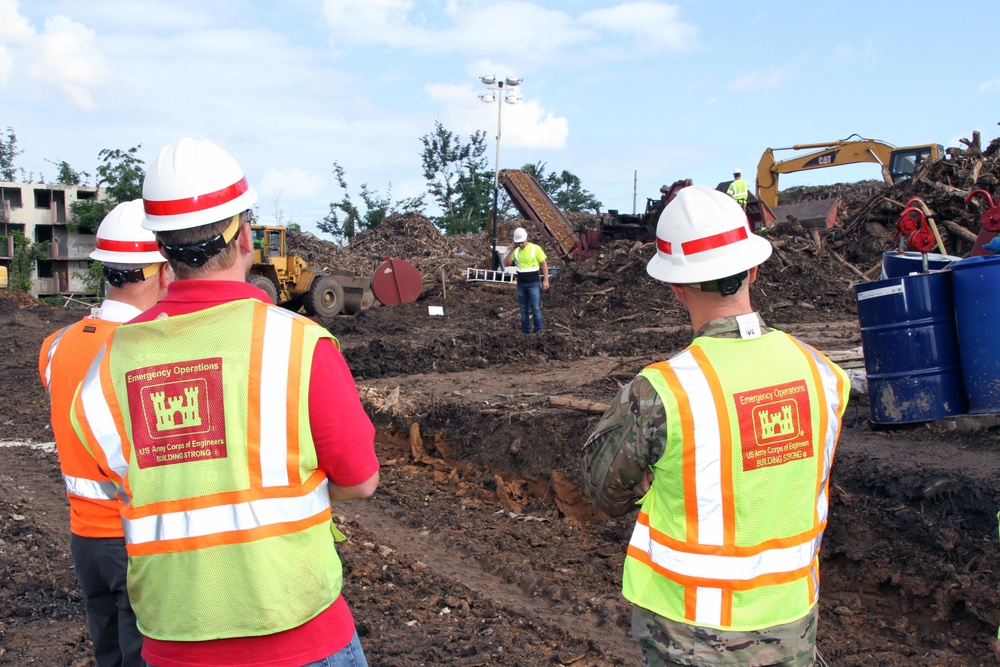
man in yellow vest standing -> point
(137, 276)
(728, 447)
(739, 189)
(532, 278)
(229, 426)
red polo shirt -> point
(345, 450)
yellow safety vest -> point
(202, 420)
(728, 535)
(528, 258)
(739, 190)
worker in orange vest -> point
(138, 276)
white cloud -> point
(508, 28)
(773, 78)
(654, 25)
(64, 54)
(990, 86)
(14, 29)
(279, 186)
(67, 57)
(524, 125)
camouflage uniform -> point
(629, 439)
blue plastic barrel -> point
(976, 285)
(911, 348)
(898, 264)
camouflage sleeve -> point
(629, 438)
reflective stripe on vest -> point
(52, 353)
(704, 556)
(244, 516)
(92, 399)
(89, 488)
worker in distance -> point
(726, 448)
(532, 278)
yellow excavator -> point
(896, 162)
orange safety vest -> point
(62, 364)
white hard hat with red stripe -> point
(703, 235)
(121, 238)
(194, 183)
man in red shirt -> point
(138, 276)
(244, 423)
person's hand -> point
(545, 283)
(996, 649)
(642, 487)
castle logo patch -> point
(775, 425)
(177, 412)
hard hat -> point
(194, 183)
(121, 238)
(520, 235)
(703, 235)
(737, 171)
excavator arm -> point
(894, 161)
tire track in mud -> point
(584, 617)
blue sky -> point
(611, 90)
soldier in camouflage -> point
(631, 437)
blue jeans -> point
(350, 656)
(529, 298)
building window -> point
(12, 195)
(43, 199)
(86, 194)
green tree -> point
(69, 176)
(564, 189)
(8, 153)
(120, 174)
(347, 219)
(457, 179)
(22, 263)
(93, 279)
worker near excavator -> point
(532, 278)
(137, 276)
(229, 426)
(728, 447)
(739, 189)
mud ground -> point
(478, 549)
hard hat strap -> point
(197, 254)
(122, 277)
(725, 286)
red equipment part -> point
(991, 216)
(919, 238)
(990, 223)
(396, 281)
